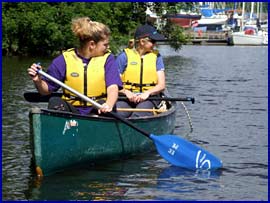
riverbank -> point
(204, 38)
(208, 37)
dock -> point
(208, 37)
(205, 38)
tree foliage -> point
(42, 28)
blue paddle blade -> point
(182, 153)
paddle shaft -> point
(141, 110)
(95, 104)
(190, 99)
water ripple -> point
(229, 117)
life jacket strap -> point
(71, 97)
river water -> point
(229, 119)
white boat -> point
(241, 38)
(250, 34)
(264, 25)
(214, 19)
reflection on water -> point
(126, 180)
(179, 180)
(106, 182)
(229, 119)
(175, 172)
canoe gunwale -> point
(97, 117)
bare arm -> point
(40, 84)
(160, 86)
(112, 96)
(130, 95)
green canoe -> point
(61, 140)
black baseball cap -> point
(148, 31)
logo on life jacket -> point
(74, 74)
(133, 63)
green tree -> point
(42, 28)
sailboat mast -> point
(258, 7)
(252, 9)
(243, 16)
(261, 11)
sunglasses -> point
(151, 40)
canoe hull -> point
(61, 140)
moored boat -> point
(240, 38)
(61, 139)
(213, 19)
(250, 36)
(183, 19)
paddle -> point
(36, 97)
(174, 149)
(189, 99)
(141, 110)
